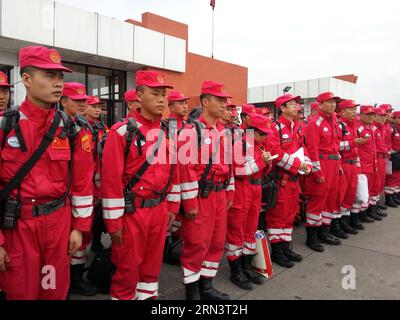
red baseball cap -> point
(380, 112)
(367, 109)
(396, 114)
(75, 91)
(346, 104)
(326, 96)
(286, 98)
(214, 88)
(42, 58)
(4, 80)
(386, 107)
(151, 79)
(176, 96)
(93, 100)
(131, 96)
(314, 106)
(248, 109)
(260, 122)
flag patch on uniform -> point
(87, 143)
(60, 144)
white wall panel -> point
(175, 54)
(115, 39)
(75, 29)
(301, 89)
(313, 88)
(255, 95)
(324, 85)
(149, 47)
(28, 20)
(283, 86)
(270, 93)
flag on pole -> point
(212, 4)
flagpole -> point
(212, 53)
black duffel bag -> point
(102, 270)
(269, 192)
(395, 158)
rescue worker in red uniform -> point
(178, 105)
(321, 188)
(132, 102)
(393, 180)
(250, 164)
(369, 162)
(207, 186)
(99, 131)
(140, 192)
(314, 109)
(382, 154)
(247, 109)
(350, 164)
(285, 141)
(73, 101)
(4, 92)
(35, 255)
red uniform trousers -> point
(39, 261)
(204, 238)
(379, 178)
(348, 188)
(280, 219)
(139, 258)
(243, 220)
(392, 184)
(372, 197)
(322, 197)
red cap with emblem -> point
(367, 109)
(286, 98)
(214, 88)
(260, 122)
(151, 79)
(42, 58)
(176, 96)
(396, 114)
(4, 80)
(326, 96)
(380, 112)
(131, 96)
(346, 104)
(93, 100)
(75, 91)
(314, 106)
(248, 109)
(386, 107)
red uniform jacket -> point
(380, 138)
(116, 171)
(47, 181)
(367, 150)
(286, 139)
(347, 134)
(395, 138)
(321, 139)
(191, 173)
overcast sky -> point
(281, 41)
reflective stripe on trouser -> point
(348, 188)
(139, 258)
(322, 197)
(204, 238)
(243, 221)
(37, 249)
(281, 218)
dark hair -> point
(140, 89)
(29, 70)
(204, 96)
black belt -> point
(381, 156)
(149, 203)
(291, 178)
(47, 208)
(351, 161)
(254, 182)
(219, 187)
(329, 157)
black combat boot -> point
(288, 252)
(325, 237)
(389, 201)
(355, 221)
(249, 272)
(279, 257)
(3, 296)
(192, 291)
(382, 206)
(208, 292)
(380, 213)
(364, 218)
(345, 225)
(396, 198)
(336, 230)
(312, 240)
(237, 276)
(371, 212)
(79, 285)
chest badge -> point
(87, 143)
(142, 143)
(367, 135)
(285, 136)
(60, 144)
(207, 141)
(13, 142)
(326, 129)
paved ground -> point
(374, 253)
